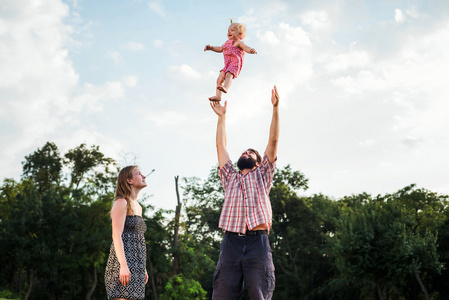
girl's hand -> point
(125, 275)
(207, 47)
(146, 277)
(252, 51)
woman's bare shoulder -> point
(119, 204)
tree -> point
(302, 229)
(56, 230)
(8, 196)
(44, 167)
(91, 173)
(376, 246)
(427, 210)
(158, 239)
(200, 241)
(203, 201)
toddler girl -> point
(233, 51)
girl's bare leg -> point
(218, 93)
(227, 82)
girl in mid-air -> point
(233, 51)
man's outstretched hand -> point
(275, 97)
(219, 109)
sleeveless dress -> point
(233, 58)
(135, 253)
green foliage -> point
(300, 235)
(8, 196)
(202, 203)
(7, 295)
(158, 241)
(179, 288)
(56, 231)
(378, 247)
(44, 167)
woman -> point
(126, 275)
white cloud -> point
(89, 136)
(286, 55)
(269, 38)
(411, 141)
(158, 43)
(398, 16)
(294, 37)
(366, 143)
(131, 80)
(166, 118)
(92, 96)
(38, 82)
(115, 56)
(317, 20)
(413, 12)
(132, 46)
(157, 7)
(186, 71)
(364, 81)
(36, 75)
(345, 60)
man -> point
(245, 256)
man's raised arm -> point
(272, 146)
(220, 110)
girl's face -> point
(233, 33)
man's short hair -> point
(259, 158)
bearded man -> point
(245, 252)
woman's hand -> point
(146, 276)
(125, 275)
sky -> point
(363, 87)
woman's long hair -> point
(123, 189)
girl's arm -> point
(118, 215)
(245, 48)
(218, 49)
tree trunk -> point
(58, 285)
(176, 230)
(31, 285)
(379, 289)
(15, 281)
(423, 288)
(92, 289)
(153, 284)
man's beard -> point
(246, 163)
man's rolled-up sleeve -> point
(226, 173)
(267, 170)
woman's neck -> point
(134, 194)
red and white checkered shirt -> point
(247, 203)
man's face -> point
(247, 160)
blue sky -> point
(364, 101)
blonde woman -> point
(126, 275)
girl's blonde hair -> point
(123, 189)
(241, 29)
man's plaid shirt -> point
(247, 203)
